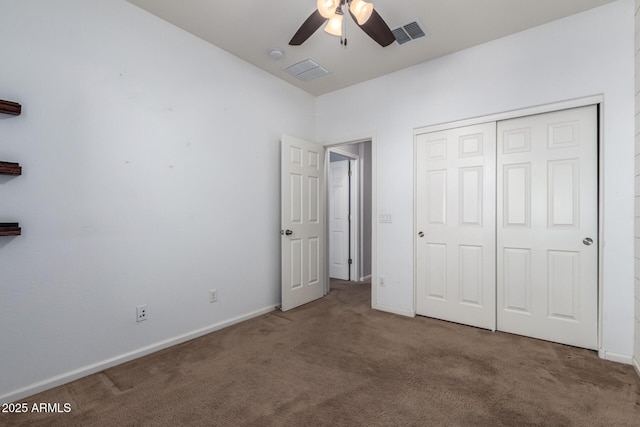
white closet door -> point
(547, 235)
(455, 220)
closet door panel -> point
(455, 225)
(547, 235)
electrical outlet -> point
(141, 313)
(213, 295)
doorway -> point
(350, 211)
(304, 208)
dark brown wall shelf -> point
(8, 168)
(10, 229)
(8, 107)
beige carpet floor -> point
(337, 362)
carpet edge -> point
(67, 377)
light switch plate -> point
(385, 219)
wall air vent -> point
(410, 31)
(306, 70)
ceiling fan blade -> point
(307, 28)
(377, 29)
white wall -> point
(129, 196)
(586, 54)
(151, 175)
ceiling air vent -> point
(306, 70)
(409, 31)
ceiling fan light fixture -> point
(327, 7)
(334, 26)
(362, 10)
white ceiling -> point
(249, 29)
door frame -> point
(597, 100)
(355, 241)
(336, 144)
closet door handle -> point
(588, 241)
(421, 234)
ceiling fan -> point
(333, 10)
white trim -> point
(636, 365)
(615, 357)
(365, 278)
(538, 109)
(601, 213)
(374, 221)
(407, 313)
(355, 269)
(344, 153)
(363, 137)
(415, 222)
(325, 178)
(126, 357)
(372, 138)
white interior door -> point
(339, 219)
(303, 224)
(455, 221)
(547, 269)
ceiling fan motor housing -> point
(363, 12)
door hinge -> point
(350, 173)
(350, 261)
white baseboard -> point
(636, 365)
(615, 357)
(118, 360)
(407, 313)
(365, 278)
